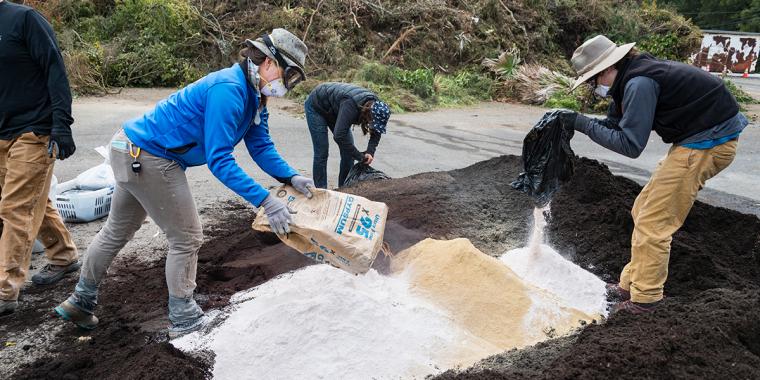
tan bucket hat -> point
(595, 55)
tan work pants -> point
(660, 210)
(26, 211)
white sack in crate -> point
(343, 230)
(94, 178)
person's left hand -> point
(367, 159)
(61, 145)
(568, 118)
(303, 184)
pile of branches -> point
(172, 42)
(434, 34)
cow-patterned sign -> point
(729, 53)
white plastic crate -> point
(84, 205)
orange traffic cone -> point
(746, 73)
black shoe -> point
(50, 274)
(7, 307)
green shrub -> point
(152, 42)
(741, 96)
(463, 88)
(420, 82)
(376, 72)
(411, 90)
(656, 30)
(131, 43)
(661, 45)
(561, 99)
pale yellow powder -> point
(482, 294)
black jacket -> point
(340, 104)
(34, 90)
(690, 100)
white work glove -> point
(278, 215)
(302, 184)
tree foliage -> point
(732, 15)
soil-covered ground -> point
(707, 327)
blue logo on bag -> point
(344, 215)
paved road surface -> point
(751, 85)
(416, 142)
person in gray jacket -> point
(686, 107)
(336, 107)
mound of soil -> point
(714, 335)
(591, 221)
(704, 328)
(707, 326)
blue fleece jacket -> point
(202, 123)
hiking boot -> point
(7, 307)
(50, 274)
(70, 312)
(180, 329)
(616, 294)
(634, 307)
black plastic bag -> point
(363, 172)
(547, 157)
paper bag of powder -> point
(343, 230)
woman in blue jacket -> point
(199, 124)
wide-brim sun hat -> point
(284, 48)
(595, 55)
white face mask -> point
(601, 90)
(274, 88)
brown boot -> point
(616, 294)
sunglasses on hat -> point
(293, 74)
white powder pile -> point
(322, 323)
(541, 266)
(447, 305)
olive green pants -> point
(660, 210)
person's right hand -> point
(302, 184)
(367, 159)
(278, 215)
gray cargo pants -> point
(161, 191)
